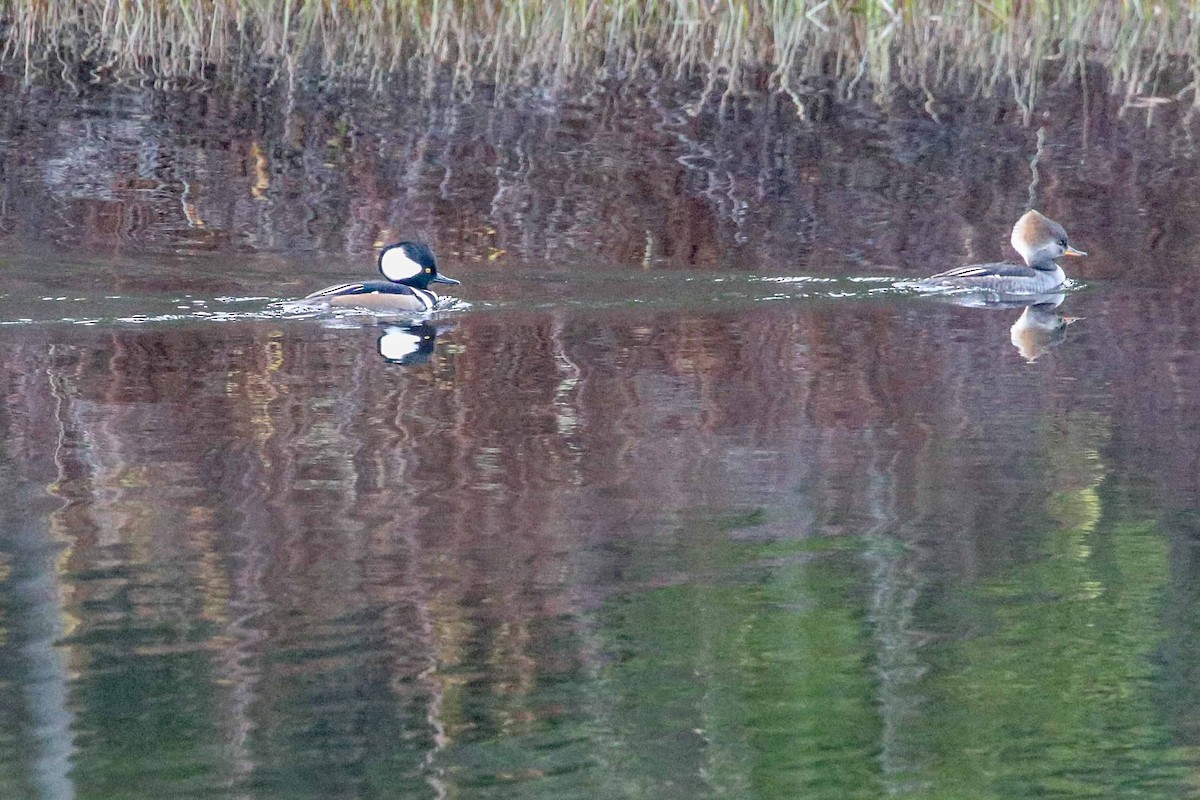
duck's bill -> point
(444, 279)
(1071, 251)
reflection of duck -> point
(1039, 240)
(409, 267)
(1039, 328)
(407, 344)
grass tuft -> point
(729, 47)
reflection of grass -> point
(731, 45)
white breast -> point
(428, 298)
(1050, 280)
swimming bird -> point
(409, 267)
(1041, 242)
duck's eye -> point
(1062, 242)
(427, 269)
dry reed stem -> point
(873, 45)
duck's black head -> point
(412, 264)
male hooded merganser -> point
(1040, 241)
(409, 268)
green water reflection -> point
(1038, 683)
(224, 581)
(737, 667)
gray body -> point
(1002, 278)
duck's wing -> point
(336, 291)
(362, 287)
(1004, 270)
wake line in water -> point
(189, 309)
(660, 291)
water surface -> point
(689, 502)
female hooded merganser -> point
(409, 268)
(1039, 240)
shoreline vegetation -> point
(1149, 52)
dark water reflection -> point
(621, 180)
(742, 539)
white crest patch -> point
(397, 266)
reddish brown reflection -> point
(623, 179)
